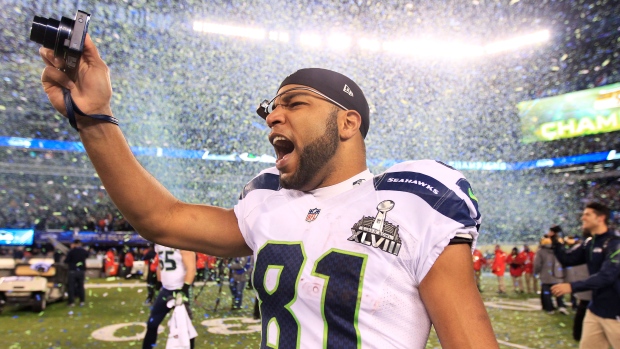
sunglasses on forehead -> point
(267, 106)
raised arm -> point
(569, 258)
(453, 302)
(605, 277)
(151, 209)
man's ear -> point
(350, 124)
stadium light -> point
(420, 48)
(397, 46)
(518, 42)
(428, 48)
(465, 50)
(339, 41)
(310, 39)
(230, 30)
(368, 44)
(278, 36)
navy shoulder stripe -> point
(267, 181)
(436, 194)
(466, 188)
(448, 166)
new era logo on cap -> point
(347, 90)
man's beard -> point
(315, 155)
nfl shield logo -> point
(312, 214)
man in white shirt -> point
(176, 272)
(344, 259)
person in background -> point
(58, 255)
(211, 268)
(201, 266)
(516, 269)
(479, 262)
(151, 262)
(28, 253)
(550, 272)
(239, 267)
(128, 260)
(110, 263)
(569, 242)
(176, 272)
(527, 256)
(18, 254)
(601, 327)
(499, 268)
(76, 262)
(578, 273)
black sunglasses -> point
(267, 106)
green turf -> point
(60, 326)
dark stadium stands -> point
(176, 88)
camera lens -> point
(51, 33)
(44, 31)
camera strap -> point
(72, 109)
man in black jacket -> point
(601, 326)
(76, 261)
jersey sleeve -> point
(449, 206)
(442, 232)
(253, 194)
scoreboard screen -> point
(574, 114)
(16, 237)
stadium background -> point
(182, 89)
(176, 88)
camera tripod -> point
(222, 274)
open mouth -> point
(282, 146)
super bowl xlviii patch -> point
(377, 232)
(312, 214)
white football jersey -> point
(340, 267)
(172, 269)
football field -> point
(114, 317)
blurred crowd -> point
(53, 206)
(177, 88)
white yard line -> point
(209, 284)
(512, 345)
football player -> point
(176, 272)
(343, 258)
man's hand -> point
(183, 293)
(561, 289)
(92, 90)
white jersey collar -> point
(333, 190)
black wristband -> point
(71, 109)
(185, 289)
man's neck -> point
(333, 174)
(599, 230)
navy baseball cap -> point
(335, 86)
